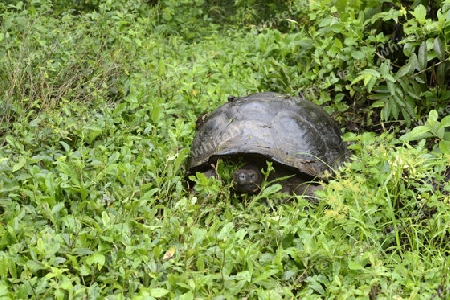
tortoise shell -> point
(290, 131)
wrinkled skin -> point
(247, 180)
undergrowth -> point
(98, 113)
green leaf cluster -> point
(98, 113)
(413, 75)
(432, 129)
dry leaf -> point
(169, 253)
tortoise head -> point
(247, 180)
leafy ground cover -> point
(98, 112)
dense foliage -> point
(98, 109)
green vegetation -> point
(98, 105)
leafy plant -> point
(400, 89)
(432, 129)
(99, 110)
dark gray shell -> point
(290, 131)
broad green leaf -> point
(147, 196)
(432, 117)
(106, 220)
(4, 290)
(19, 165)
(326, 22)
(271, 189)
(119, 109)
(439, 48)
(68, 171)
(398, 101)
(113, 157)
(82, 251)
(362, 75)
(445, 122)
(65, 146)
(112, 169)
(158, 292)
(380, 103)
(305, 43)
(94, 132)
(338, 43)
(23, 291)
(420, 13)
(225, 231)
(413, 60)
(51, 185)
(200, 264)
(439, 132)
(40, 246)
(444, 146)
(358, 55)
(371, 72)
(244, 275)
(385, 71)
(96, 258)
(264, 275)
(187, 296)
(370, 76)
(35, 266)
(410, 90)
(353, 265)
(417, 133)
(422, 56)
(403, 71)
(396, 91)
(342, 7)
(314, 284)
(389, 77)
(57, 208)
(241, 233)
(13, 142)
(12, 269)
(155, 115)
